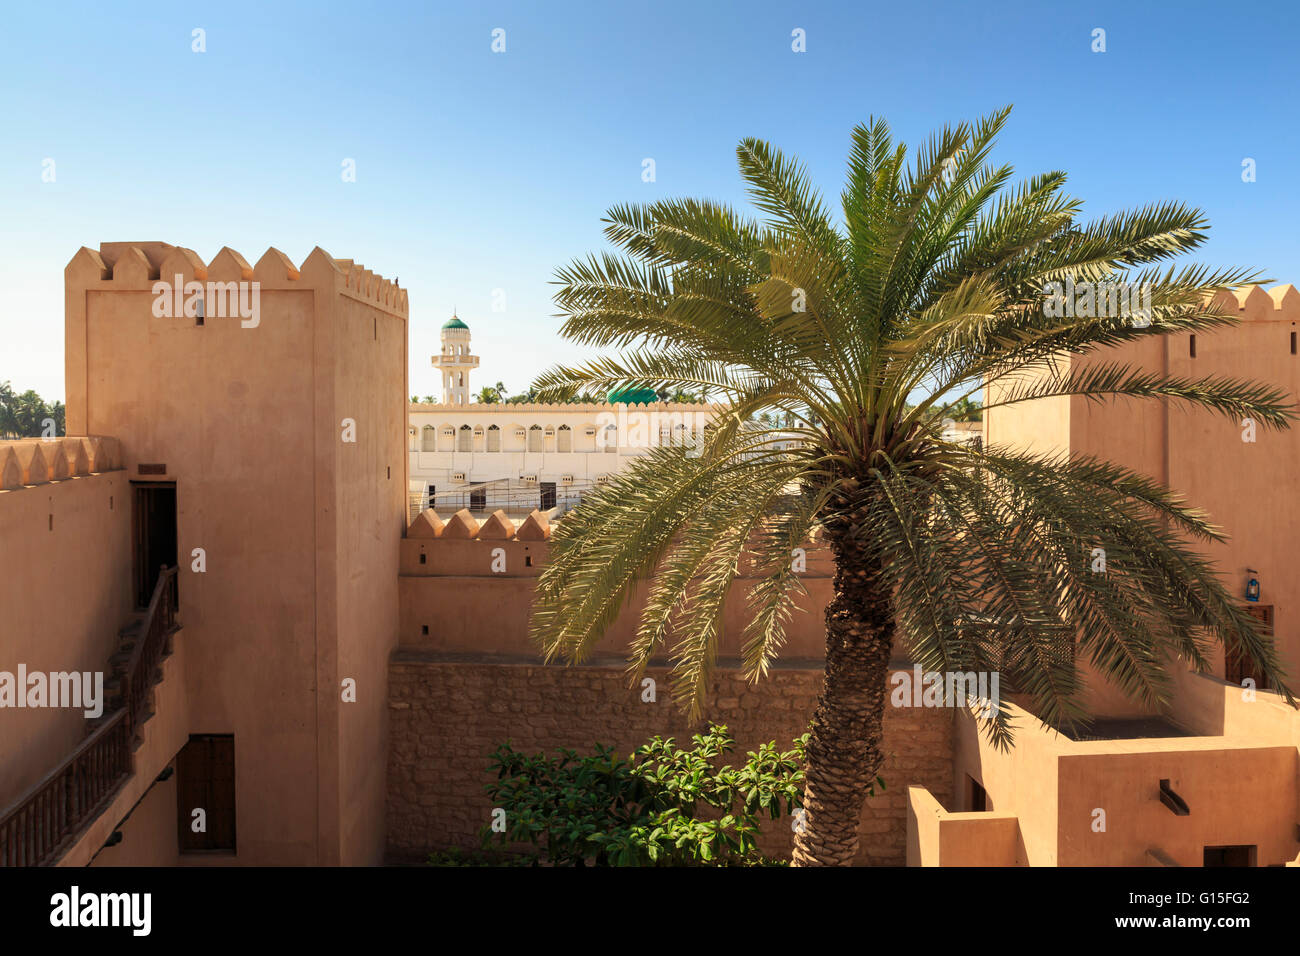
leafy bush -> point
(459, 857)
(662, 806)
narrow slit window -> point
(1293, 343)
(1191, 346)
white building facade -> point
(471, 455)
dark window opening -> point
(205, 780)
(424, 559)
(1191, 343)
(155, 536)
(1293, 343)
(478, 499)
(424, 629)
(1243, 855)
(977, 797)
(548, 495)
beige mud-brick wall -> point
(300, 528)
(449, 712)
(65, 590)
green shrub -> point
(662, 806)
(459, 857)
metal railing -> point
(507, 494)
(37, 827)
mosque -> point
(519, 457)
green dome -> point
(455, 323)
(632, 396)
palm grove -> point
(27, 415)
(856, 334)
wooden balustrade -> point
(36, 828)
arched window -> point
(428, 438)
(493, 438)
(465, 439)
(535, 437)
(446, 438)
(564, 439)
(611, 439)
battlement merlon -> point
(140, 267)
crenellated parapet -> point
(35, 461)
(1256, 304)
(137, 266)
(463, 526)
(136, 288)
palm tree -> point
(24, 415)
(523, 398)
(8, 419)
(970, 559)
(491, 394)
(963, 410)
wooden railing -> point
(36, 828)
(150, 646)
(33, 831)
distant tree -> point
(491, 394)
(25, 415)
(8, 425)
(963, 410)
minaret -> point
(455, 362)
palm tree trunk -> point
(844, 749)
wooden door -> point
(205, 780)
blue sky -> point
(478, 171)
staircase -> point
(41, 824)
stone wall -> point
(448, 712)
